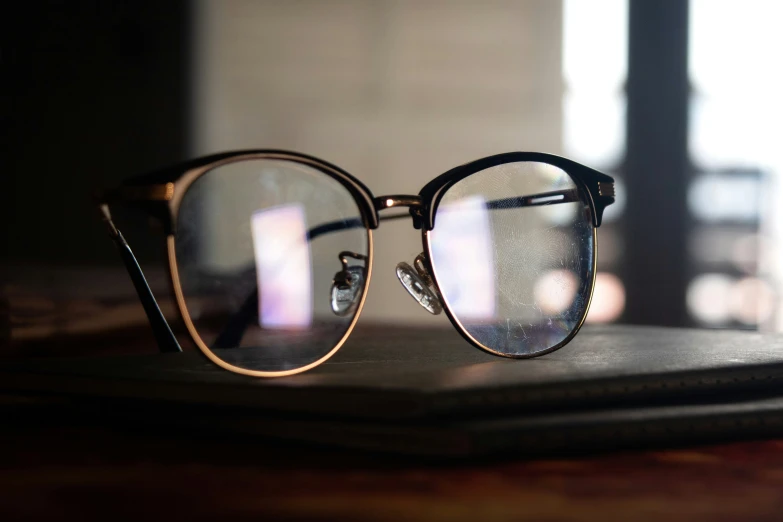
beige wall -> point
(395, 92)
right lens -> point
(273, 262)
(512, 253)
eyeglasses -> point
(270, 253)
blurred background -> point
(679, 100)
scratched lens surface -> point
(512, 252)
(258, 246)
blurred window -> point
(736, 195)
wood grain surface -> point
(90, 472)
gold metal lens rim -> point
(472, 340)
(185, 315)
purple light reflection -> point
(282, 256)
(463, 257)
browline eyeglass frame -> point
(159, 194)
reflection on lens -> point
(512, 253)
(282, 256)
(465, 251)
(558, 215)
(555, 291)
(259, 246)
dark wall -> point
(93, 92)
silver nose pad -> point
(347, 285)
(417, 282)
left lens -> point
(512, 252)
(272, 259)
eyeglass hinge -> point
(606, 189)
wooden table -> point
(68, 472)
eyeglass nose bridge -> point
(414, 203)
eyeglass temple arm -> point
(234, 330)
(167, 342)
(535, 200)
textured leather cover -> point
(433, 373)
(427, 392)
